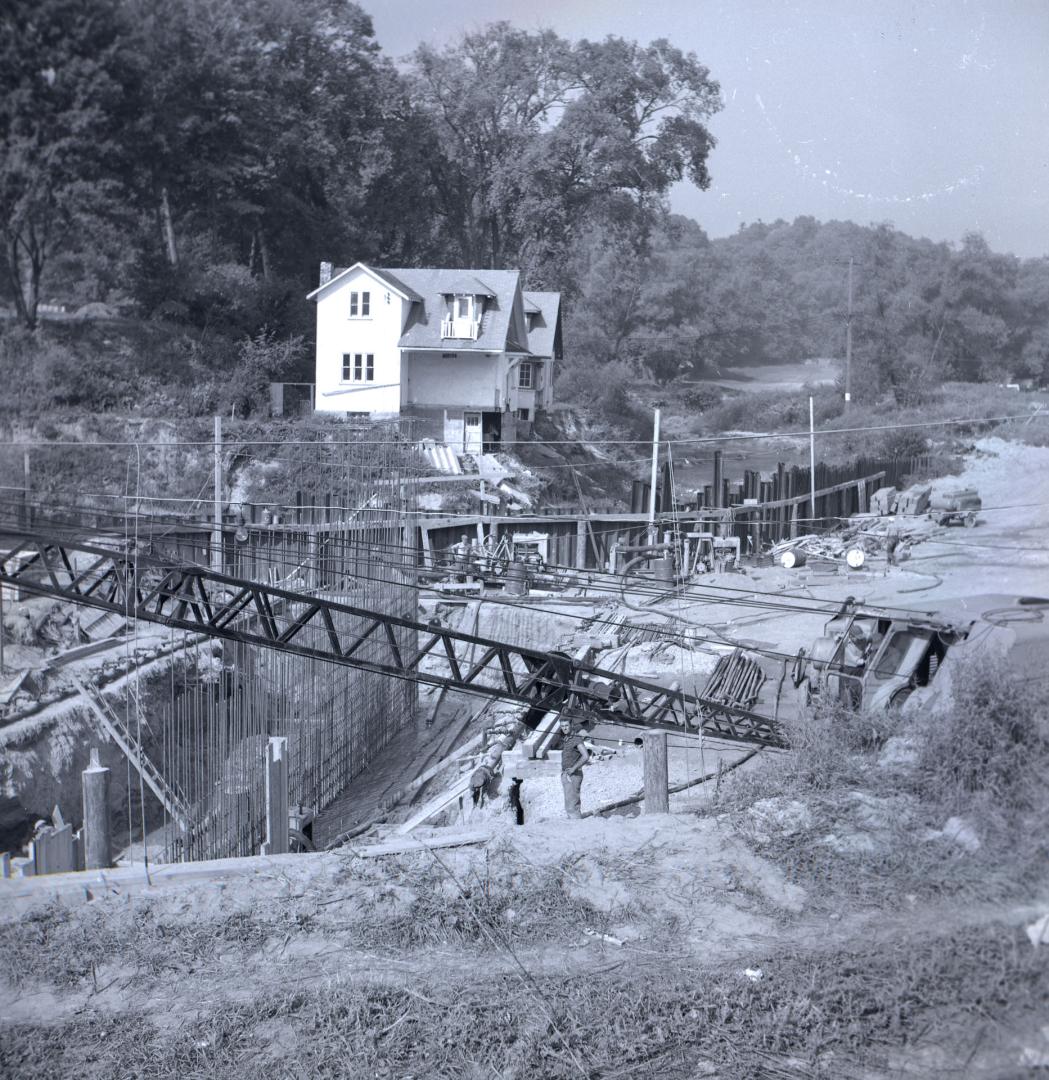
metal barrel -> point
(663, 569)
(516, 580)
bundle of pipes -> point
(736, 680)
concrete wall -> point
(378, 333)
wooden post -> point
(276, 797)
(216, 541)
(98, 831)
(812, 469)
(657, 780)
(27, 518)
(655, 478)
(580, 544)
(313, 575)
(861, 496)
(716, 483)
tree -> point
(258, 126)
(61, 69)
(538, 140)
(487, 100)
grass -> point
(506, 904)
(61, 946)
(813, 1014)
(399, 905)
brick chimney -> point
(325, 274)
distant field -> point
(779, 376)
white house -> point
(467, 354)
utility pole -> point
(848, 344)
(812, 468)
(216, 540)
(652, 488)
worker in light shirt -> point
(574, 755)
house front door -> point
(471, 433)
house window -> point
(522, 414)
(358, 367)
(360, 305)
(364, 367)
(449, 356)
(525, 377)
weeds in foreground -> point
(404, 904)
(503, 904)
(61, 946)
(989, 751)
(822, 1015)
(871, 834)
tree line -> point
(195, 159)
(200, 155)
(922, 312)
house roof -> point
(465, 285)
(396, 283)
(543, 330)
(428, 289)
(423, 328)
(383, 275)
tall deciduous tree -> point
(60, 84)
(538, 139)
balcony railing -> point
(460, 328)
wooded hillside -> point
(186, 165)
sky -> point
(931, 115)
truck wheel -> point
(969, 521)
(897, 701)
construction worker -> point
(574, 755)
(892, 542)
(480, 778)
(461, 553)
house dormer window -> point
(462, 317)
(360, 305)
(525, 376)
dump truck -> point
(958, 507)
(875, 660)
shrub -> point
(988, 749)
(260, 360)
(702, 397)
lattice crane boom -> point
(156, 589)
